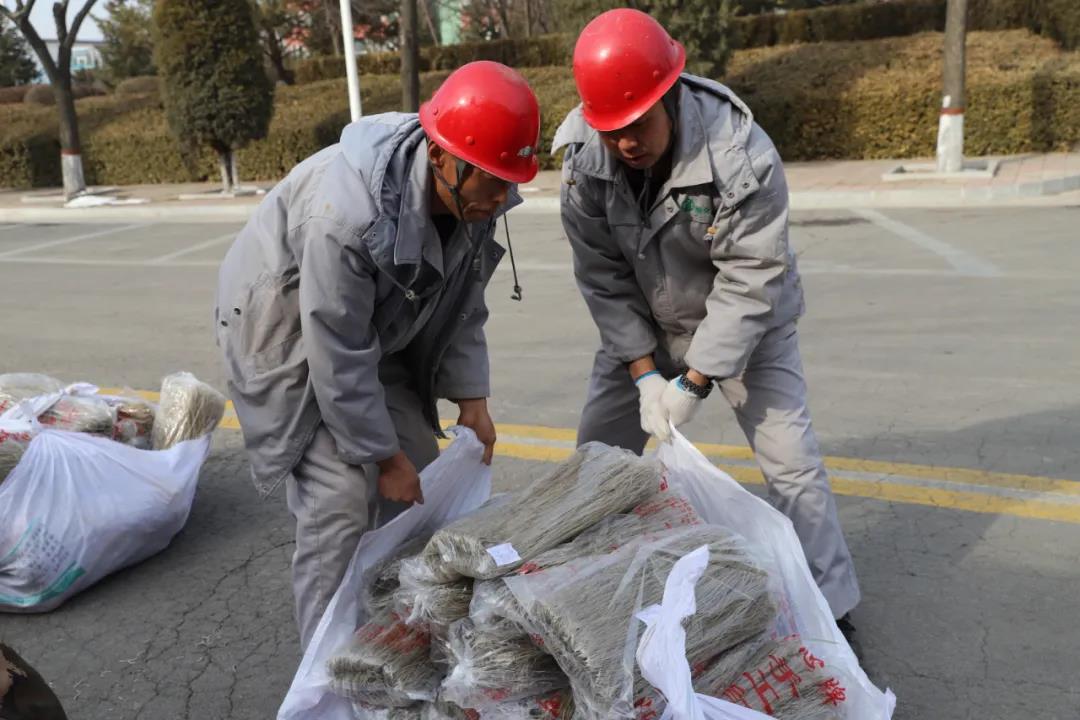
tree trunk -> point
(430, 23)
(542, 15)
(277, 60)
(528, 18)
(950, 149)
(410, 61)
(503, 9)
(228, 166)
(332, 25)
(233, 155)
(70, 149)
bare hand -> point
(474, 415)
(398, 480)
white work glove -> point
(680, 405)
(654, 415)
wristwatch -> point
(699, 391)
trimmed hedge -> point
(881, 99)
(140, 85)
(42, 95)
(874, 99)
(13, 94)
(1058, 19)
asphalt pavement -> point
(942, 357)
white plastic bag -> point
(78, 507)
(803, 609)
(661, 654)
(457, 483)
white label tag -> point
(503, 554)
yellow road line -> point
(856, 487)
(891, 481)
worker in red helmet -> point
(354, 299)
(676, 207)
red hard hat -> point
(486, 114)
(624, 62)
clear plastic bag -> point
(382, 582)
(584, 611)
(189, 408)
(780, 679)
(558, 705)
(134, 423)
(368, 712)
(441, 710)
(387, 663)
(658, 515)
(595, 482)
(12, 447)
(89, 414)
(495, 610)
(16, 387)
(803, 610)
(455, 484)
(490, 668)
(434, 606)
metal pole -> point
(349, 48)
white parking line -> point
(110, 263)
(194, 248)
(963, 262)
(69, 240)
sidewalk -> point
(1019, 180)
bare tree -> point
(59, 73)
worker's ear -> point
(437, 155)
(443, 161)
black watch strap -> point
(701, 391)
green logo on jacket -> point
(698, 212)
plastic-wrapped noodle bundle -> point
(189, 409)
(129, 418)
(369, 712)
(382, 580)
(596, 481)
(12, 447)
(427, 568)
(16, 387)
(558, 705)
(488, 668)
(89, 414)
(584, 611)
(386, 664)
(659, 514)
(435, 606)
(780, 678)
(439, 710)
(134, 420)
(495, 609)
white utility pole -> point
(349, 47)
(950, 145)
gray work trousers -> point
(769, 400)
(334, 503)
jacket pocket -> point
(266, 323)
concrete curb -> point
(1049, 192)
